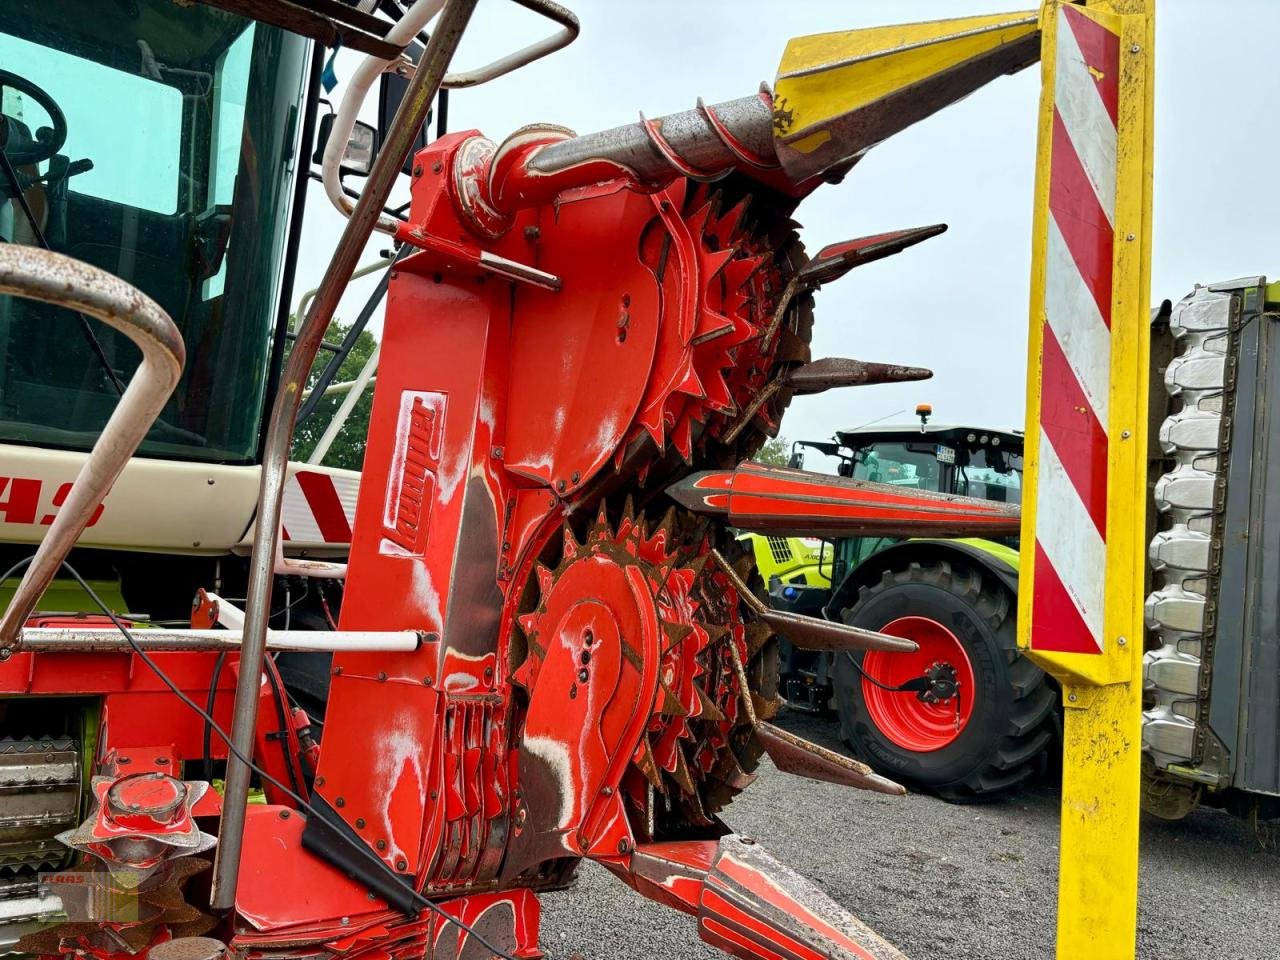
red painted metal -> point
(748, 904)
(759, 497)
(903, 717)
(597, 673)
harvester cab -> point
(171, 146)
(551, 646)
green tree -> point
(348, 447)
(775, 452)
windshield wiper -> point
(90, 337)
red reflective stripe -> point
(1101, 49)
(284, 532)
(1080, 217)
(326, 506)
(1056, 623)
(1074, 430)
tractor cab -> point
(969, 461)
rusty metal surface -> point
(65, 282)
(707, 140)
(189, 948)
(831, 373)
(835, 260)
(327, 21)
(791, 754)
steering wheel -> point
(20, 148)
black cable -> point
(209, 704)
(911, 686)
(282, 719)
(288, 607)
(359, 848)
(12, 176)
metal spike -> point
(546, 579)
(758, 633)
(731, 772)
(647, 765)
(716, 632)
(629, 509)
(528, 624)
(570, 544)
(671, 705)
(709, 710)
(835, 260)
(693, 800)
(681, 773)
(675, 634)
(697, 564)
(794, 755)
(810, 633)
(845, 92)
(666, 526)
(749, 413)
(831, 373)
(744, 688)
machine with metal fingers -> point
(550, 646)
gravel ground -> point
(949, 881)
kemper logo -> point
(414, 465)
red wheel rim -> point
(904, 718)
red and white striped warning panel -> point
(1071, 499)
(319, 507)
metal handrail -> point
(111, 640)
(373, 67)
(568, 32)
(36, 274)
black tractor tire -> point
(1014, 712)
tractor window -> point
(991, 475)
(900, 464)
(172, 170)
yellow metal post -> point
(1080, 605)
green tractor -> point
(966, 716)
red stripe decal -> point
(326, 507)
(1101, 49)
(1056, 623)
(1078, 214)
(1074, 430)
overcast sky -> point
(958, 303)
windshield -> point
(155, 140)
(901, 464)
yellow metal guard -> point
(1083, 537)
